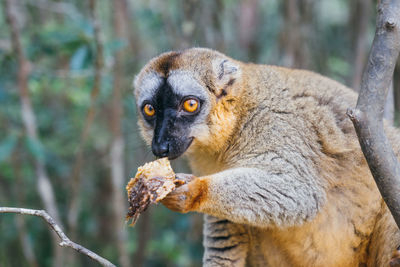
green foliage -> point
(35, 148)
(7, 146)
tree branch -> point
(65, 241)
(367, 117)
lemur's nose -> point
(160, 149)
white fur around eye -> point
(147, 87)
(183, 83)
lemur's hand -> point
(187, 197)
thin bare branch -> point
(367, 117)
(65, 241)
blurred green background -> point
(78, 101)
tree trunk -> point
(44, 186)
(74, 207)
(144, 231)
(361, 12)
(367, 117)
(117, 143)
(131, 31)
(248, 22)
(19, 194)
(296, 34)
(201, 26)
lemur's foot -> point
(395, 261)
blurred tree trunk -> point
(44, 186)
(215, 30)
(248, 23)
(190, 22)
(20, 193)
(131, 31)
(77, 166)
(26, 244)
(361, 11)
(76, 179)
(117, 142)
(202, 25)
(144, 232)
(296, 34)
(367, 117)
(172, 32)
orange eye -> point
(149, 110)
(191, 105)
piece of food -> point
(153, 182)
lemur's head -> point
(186, 100)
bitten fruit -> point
(152, 183)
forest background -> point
(68, 136)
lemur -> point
(277, 167)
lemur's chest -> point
(332, 238)
(205, 164)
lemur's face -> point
(179, 96)
(172, 108)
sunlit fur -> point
(282, 179)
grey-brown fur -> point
(280, 167)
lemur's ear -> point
(226, 72)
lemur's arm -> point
(250, 196)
